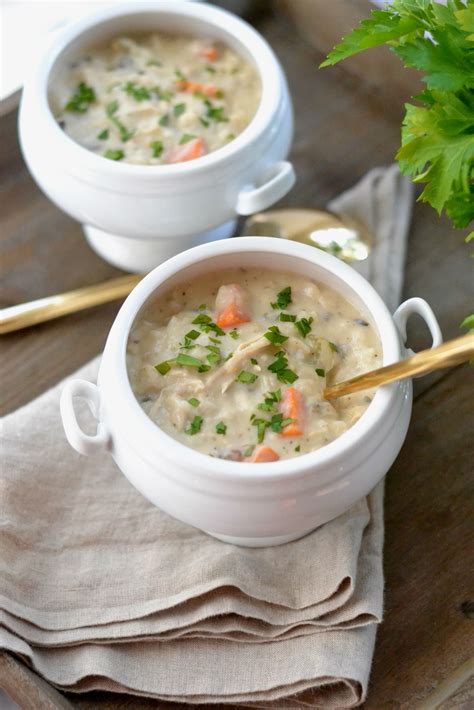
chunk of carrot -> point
(292, 407)
(231, 306)
(191, 87)
(191, 150)
(263, 454)
(209, 53)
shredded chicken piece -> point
(226, 373)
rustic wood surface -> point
(344, 126)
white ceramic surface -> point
(243, 503)
(159, 210)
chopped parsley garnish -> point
(210, 69)
(153, 63)
(185, 138)
(164, 120)
(320, 372)
(234, 333)
(202, 307)
(214, 340)
(193, 334)
(287, 318)
(304, 326)
(246, 377)
(213, 358)
(280, 368)
(214, 113)
(111, 109)
(261, 425)
(219, 94)
(274, 336)
(80, 101)
(139, 93)
(163, 95)
(103, 135)
(194, 402)
(298, 449)
(230, 137)
(221, 428)
(179, 75)
(195, 426)
(283, 299)
(333, 347)
(163, 367)
(206, 324)
(204, 368)
(156, 148)
(249, 450)
(204, 122)
(277, 423)
(188, 360)
(254, 361)
(112, 154)
(179, 109)
(270, 400)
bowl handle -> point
(79, 440)
(423, 309)
(275, 183)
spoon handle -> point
(453, 352)
(27, 314)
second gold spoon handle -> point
(34, 312)
(453, 352)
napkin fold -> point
(101, 590)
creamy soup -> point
(234, 364)
(156, 98)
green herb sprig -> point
(437, 147)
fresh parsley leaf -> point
(112, 154)
(185, 138)
(194, 402)
(333, 347)
(188, 360)
(81, 99)
(274, 336)
(111, 109)
(221, 428)
(261, 425)
(179, 109)
(164, 120)
(280, 368)
(437, 136)
(163, 367)
(139, 93)
(103, 135)
(193, 334)
(245, 377)
(298, 449)
(304, 326)
(320, 372)
(287, 318)
(195, 426)
(156, 148)
(283, 298)
(234, 333)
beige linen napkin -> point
(101, 590)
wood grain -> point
(344, 126)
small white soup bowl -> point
(136, 216)
(245, 503)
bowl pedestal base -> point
(258, 541)
(142, 255)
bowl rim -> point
(169, 448)
(264, 59)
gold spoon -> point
(321, 229)
(34, 312)
(453, 352)
(342, 237)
